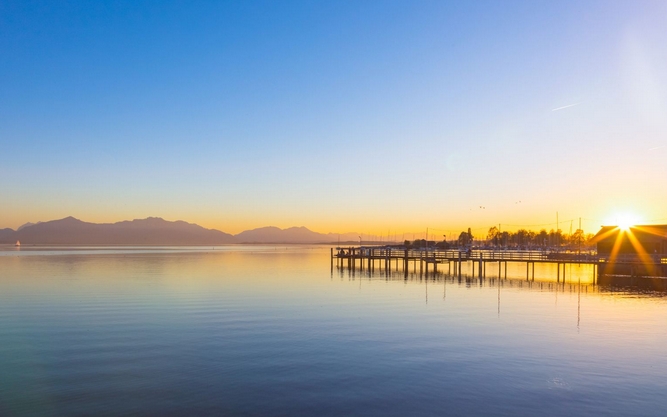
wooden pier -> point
(370, 257)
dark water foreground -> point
(263, 331)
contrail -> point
(657, 147)
(564, 107)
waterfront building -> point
(634, 240)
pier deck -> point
(368, 256)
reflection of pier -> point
(370, 257)
(437, 283)
(569, 286)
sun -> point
(624, 221)
(625, 224)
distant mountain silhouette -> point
(157, 231)
(273, 234)
(26, 225)
(150, 231)
(5, 234)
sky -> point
(369, 116)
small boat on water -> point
(18, 243)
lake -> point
(273, 330)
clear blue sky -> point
(340, 116)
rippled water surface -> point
(266, 330)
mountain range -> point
(156, 231)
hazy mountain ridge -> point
(150, 231)
(156, 231)
(5, 233)
(272, 234)
(23, 226)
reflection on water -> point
(552, 275)
(270, 330)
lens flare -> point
(624, 221)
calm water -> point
(262, 331)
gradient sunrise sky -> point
(372, 116)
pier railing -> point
(484, 255)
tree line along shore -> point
(520, 239)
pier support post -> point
(459, 265)
(481, 265)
